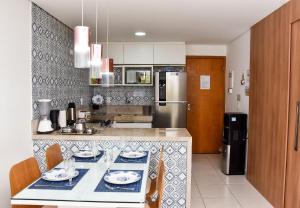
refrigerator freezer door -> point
(170, 115)
(170, 86)
(176, 86)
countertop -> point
(152, 134)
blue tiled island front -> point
(177, 154)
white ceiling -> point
(192, 21)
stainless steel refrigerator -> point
(170, 100)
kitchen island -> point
(176, 144)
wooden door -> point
(295, 10)
(206, 107)
(268, 105)
(292, 193)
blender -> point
(45, 125)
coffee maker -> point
(45, 125)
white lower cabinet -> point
(131, 125)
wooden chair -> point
(157, 185)
(159, 189)
(151, 184)
(53, 156)
(21, 175)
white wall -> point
(205, 50)
(15, 89)
(238, 60)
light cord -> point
(96, 21)
(81, 12)
(107, 24)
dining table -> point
(89, 189)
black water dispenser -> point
(234, 144)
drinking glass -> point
(66, 165)
(94, 149)
(108, 159)
(70, 170)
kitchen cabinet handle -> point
(297, 126)
(189, 107)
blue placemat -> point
(58, 185)
(90, 159)
(127, 160)
(107, 187)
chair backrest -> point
(160, 181)
(53, 156)
(160, 184)
(21, 175)
(161, 160)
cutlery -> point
(118, 187)
(50, 186)
(129, 160)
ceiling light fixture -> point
(81, 44)
(139, 34)
(96, 55)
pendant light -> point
(81, 44)
(96, 52)
(107, 63)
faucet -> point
(128, 100)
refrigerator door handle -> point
(189, 107)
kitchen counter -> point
(153, 134)
(177, 153)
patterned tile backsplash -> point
(118, 95)
(53, 72)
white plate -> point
(133, 154)
(85, 154)
(122, 177)
(58, 175)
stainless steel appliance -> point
(54, 114)
(138, 75)
(71, 114)
(170, 100)
(234, 143)
(45, 125)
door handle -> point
(297, 126)
(189, 107)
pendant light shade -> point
(96, 56)
(81, 47)
(96, 63)
(107, 69)
(81, 44)
(107, 74)
(107, 65)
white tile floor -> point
(212, 189)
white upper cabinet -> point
(169, 53)
(115, 51)
(138, 53)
